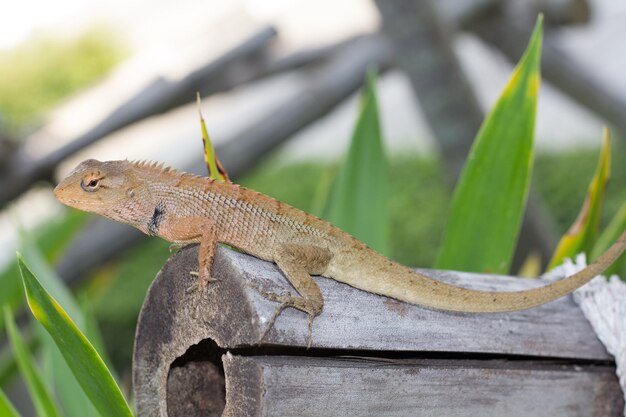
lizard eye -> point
(90, 185)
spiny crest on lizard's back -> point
(158, 169)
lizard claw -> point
(193, 288)
(309, 338)
(175, 247)
(277, 312)
(200, 283)
(270, 324)
(285, 300)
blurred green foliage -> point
(83, 369)
(50, 239)
(42, 71)
(562, 182)
(358, 202)
(582, 234)
(117, 293)
(489, 198)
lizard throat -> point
(155, 221)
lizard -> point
(187, 209)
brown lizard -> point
(184, 209)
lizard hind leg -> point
(298, 262)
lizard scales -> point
(184, 208)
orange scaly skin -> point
(183, 208)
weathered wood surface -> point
(353, 322)
(336, 387)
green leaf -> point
(8, 364)
(6, 408)
(608, 237)
(92, 331)
(58, 290)
(488, 202)
(85, 363)
(216, 171)
(358, 201)
(531, 267)
(40, 395)
(58, 374)
(67, 389)
(50, 240)
(582, 233)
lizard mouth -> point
(57, 191)
(62, 196)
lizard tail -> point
(406, 285)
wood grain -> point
(336, 387)
(353, 322)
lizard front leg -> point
(298, 262)
(191, 230)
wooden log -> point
(180, 328)
(335, 387)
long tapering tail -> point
(406, 285)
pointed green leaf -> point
(216, 171)
(531, 267)
(50, 240)
(66, 388)
(6, 408)
(608, 237)
(59, 291)
(358, 201)
(488, 202)
(582, 233)
(87, 366)
(41, 396)
(92, 331)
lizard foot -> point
(174, 247)
(285, 300)
(200, 283)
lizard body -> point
(184, 208)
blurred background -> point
(280, 81)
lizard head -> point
(105, 188)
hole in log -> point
(195, 382)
